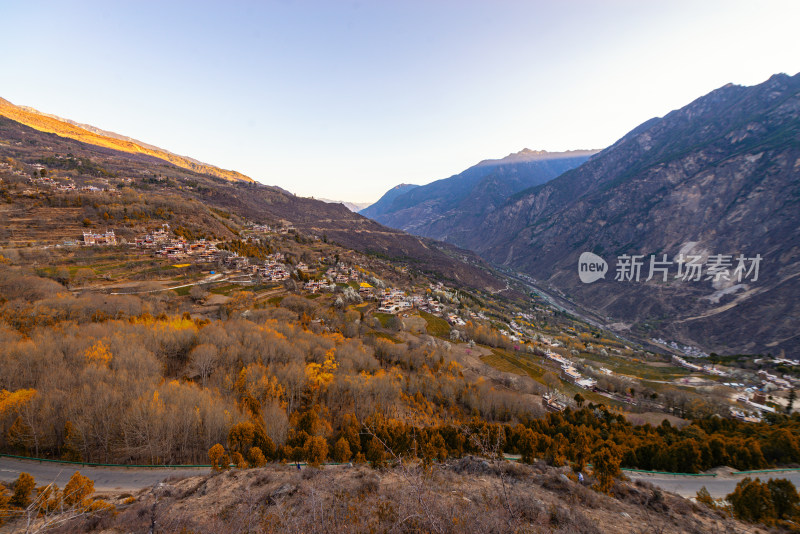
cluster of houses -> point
(552, 403)
(201, 249)
(341, 274)
(694, 352)
(396, 301)
(162, 243)
(707, 369)
(5, 167)
(273, 269)
(93, 239)
(769, 379)
(255, 229)
(63, 185)
(569, 371)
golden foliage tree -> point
(341, 451)
(98, 354)
(316, 450)
(219, 460)
(78, 490)
(5, 498)
(256, 457)
(605, 463)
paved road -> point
(131, 479)
(105, 478)
(718, 486)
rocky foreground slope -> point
(463, 496)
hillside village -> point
(324, 275)
(420, 348)
(321, 274)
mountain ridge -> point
(719, 176)
(49, 123)
(447, 209)
(252, 200)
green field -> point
(436, 325)
(383, 318)
(513, 363)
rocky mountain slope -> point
(178, 187)
(384, 203)
(720, 176)
(95, 136)
(450, 209)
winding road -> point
(129, 479)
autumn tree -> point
(784, 498)
(341, 451)
(349, 431)
(203, 360)
(527, 444)
(376, 453)
(78, 490)
(241, 436)
(580, 450)
(5, 499)
(316, 450)
(256, 457)
(238, 460)
(98, 354)
(22, 490)
(752, 501)
(605, 464)
(219, 460)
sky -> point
(344, 100)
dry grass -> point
(469, 495)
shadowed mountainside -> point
(720, 176)
(450, 209)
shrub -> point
(219, 460)
(704, 497)
(22, 490)
(256, 457)
(238, 460)
(78, 490)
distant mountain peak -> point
(526, 154)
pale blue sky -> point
(347, 99)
